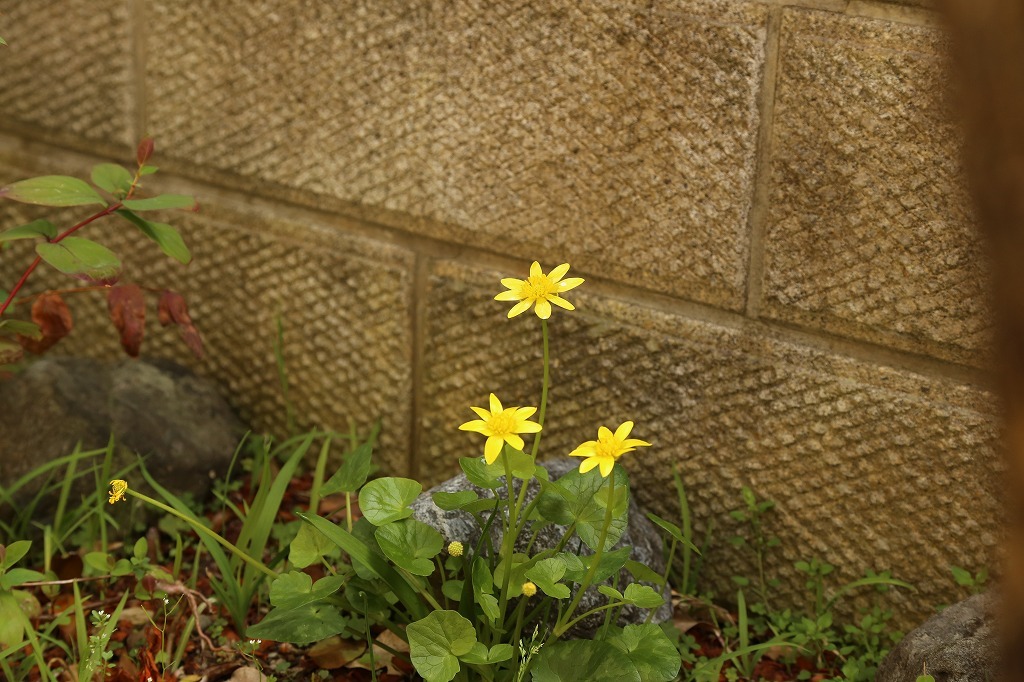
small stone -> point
(959, 644)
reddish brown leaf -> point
(145, 150)
(127, 307)
(51, 313)
(173, 309)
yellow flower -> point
(539, 290)
(119, 488)
(607, 448)
(529, 589)
(455, 548)
(501, 425)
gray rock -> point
(640, 534)
(959, 644)
(161, 410)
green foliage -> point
(68, 252)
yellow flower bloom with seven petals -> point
(539, 290)
(607, 448)
(501, 425)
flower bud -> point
(455, 548)
(529, 589)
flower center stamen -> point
(538, 288)
(502, 424)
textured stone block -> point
(344, 302)
(67, 72)
(869, 231)
(618, 136)
(871, 467)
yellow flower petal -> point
(588, 464)
(525, 412)
(492, 448)
(633, 443)
(508, 296)
(622, 432)
(515, 441)
(495, 404)
(570, 283)
(477, 425)
(528, 427)
(606, 466)
(559, 272)
(604, 435)
(512, 283)
(562, 303)
(543, 309)
(481, 412)
(535, 270)
(520, 307)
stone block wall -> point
(784, 285)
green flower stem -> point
(595, 560)
(543, 388)
(348, 511)
(541, 413)
(199, 528)
(508, 539)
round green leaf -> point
(437, 641)
(649, 649)
(309, 546)
(456, 500)
(387, 499)
(584, 659)
(308, 623)
(546, 574)
(410, 544)
(294, 588)
(643, 596)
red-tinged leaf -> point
(127, 307)
(172, 309)
(51, 314)
(145, 150)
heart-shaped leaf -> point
(437, 641)
(309, 546)
(546, 574)
(387, 499)
(294, 588)
(456, 500)
(649, 649)
(584, 659)
(410, 544)
(644, 596)
(307, 623)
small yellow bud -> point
(455, 548)
(118, 489)
(529, 589)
